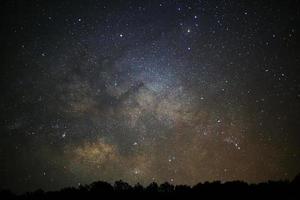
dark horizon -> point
(295, 181)
(279, 189)
(148, 91)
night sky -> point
(143, 91)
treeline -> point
(121, 189)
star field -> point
(143, 91)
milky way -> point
(143, 91)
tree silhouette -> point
(182, 188)
(166, 187)
(101, 187)
(296, 180)
(138, 188)
(233, 189)
(121, 186)
(152, 187)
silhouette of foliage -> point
(152, 187)
(166, 187)
(121, 186)
(232, 189)
(138, 188)
(101, 187)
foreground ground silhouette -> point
(120, 189)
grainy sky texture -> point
(143, 91)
